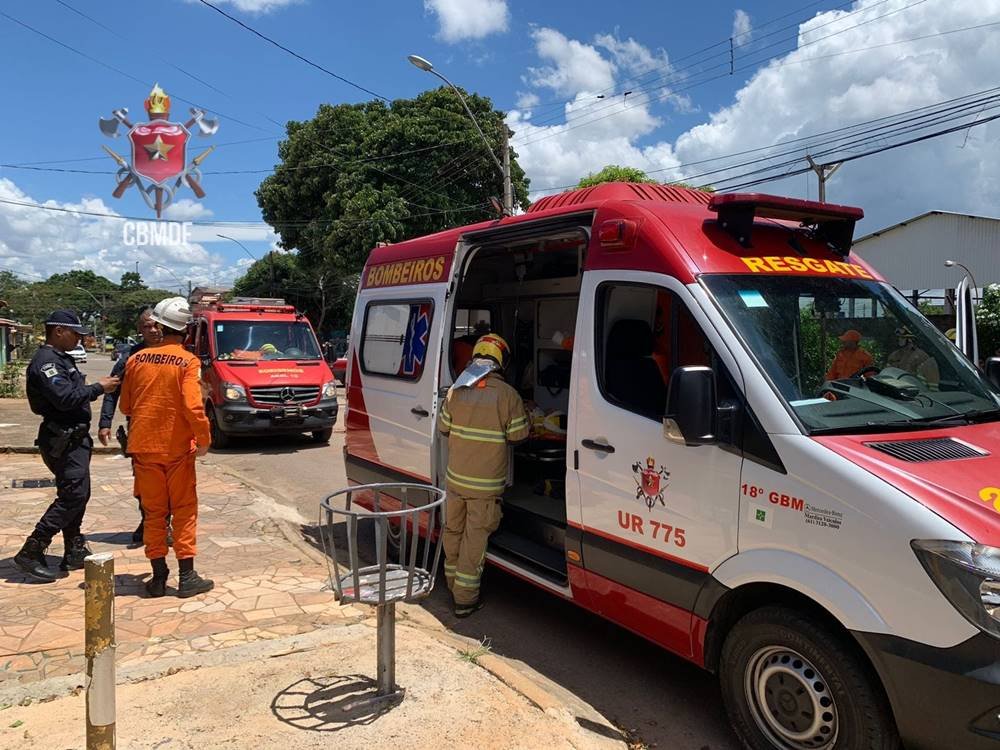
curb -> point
(102, 450)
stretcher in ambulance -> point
(703, 469)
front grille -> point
(932, 449)
(274, 395)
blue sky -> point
(518, 53)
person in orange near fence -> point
(168, 429)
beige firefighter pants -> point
(469, 521)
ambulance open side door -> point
(399, 353)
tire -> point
(322, 436)
(789, 683)
(219, 438)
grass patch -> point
(472, 655)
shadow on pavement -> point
(10, 573)
(329, 704)
(270, 445)
(654, 696)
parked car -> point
(339, 368)
(78, 353)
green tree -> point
(132, 280)
(988, 321)
(614, 173)
(358, 174)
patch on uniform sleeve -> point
(50, 370)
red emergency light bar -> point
(831, 223)
(230, 307)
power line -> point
(294, 54)
(755, 64)
(677, 79)
(119, 71)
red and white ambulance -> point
(749, 449)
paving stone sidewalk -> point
(265, 587)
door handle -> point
(420, 411)
(595, 446)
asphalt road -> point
(662, 700)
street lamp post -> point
(975, 286)
(180, 283)
(252, 257)
(508, 192)
(100, 341)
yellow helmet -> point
(951, 334)
(494, 347)
(269, 349)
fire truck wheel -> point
(322, 436)
(219, 438)
(790, 683)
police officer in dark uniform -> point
(58, 392)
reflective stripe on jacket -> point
(480, 421)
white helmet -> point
(173, 312)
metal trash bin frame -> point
(384, 583)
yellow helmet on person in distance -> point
(494, 347)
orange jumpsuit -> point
(161, 393)
(846, 363)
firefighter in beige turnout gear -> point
(481, 416)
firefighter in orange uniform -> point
(481, 416)
(851, 359)
(161, 393)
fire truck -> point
(263, 372)
(751, 449)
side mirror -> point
(993, 371)
(691, 406)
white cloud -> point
(798, 94)
(257, 7)
(574, 67)
(469, 19)
(36, 243)
(186, 209)
(527, 99)
(632, 56)
(742, 30)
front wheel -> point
(789, 683)
(322, 436)
(219, 438)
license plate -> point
(286, 412)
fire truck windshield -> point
(852, 355)
(264, 340)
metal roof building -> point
(911, 254)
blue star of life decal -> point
(415, 344)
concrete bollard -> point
(99, 617)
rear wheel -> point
(322, 436)
(219, 438)
(790, 683)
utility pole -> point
(824, 172)
(508, 189)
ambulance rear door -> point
(400, 329)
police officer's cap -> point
(67, 319)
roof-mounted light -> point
(831, 223)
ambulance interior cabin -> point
(528, 291)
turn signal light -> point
(617, 234)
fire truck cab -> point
(262, 369)
(747, 447)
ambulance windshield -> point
(852, 355)
(264, 340)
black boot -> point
(31, 559)
(192, 584)
(76, 551)
(137, 534)
(157, 585)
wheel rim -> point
(790, 700)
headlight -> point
(968, 574)
(330, 389)
(233, 392)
